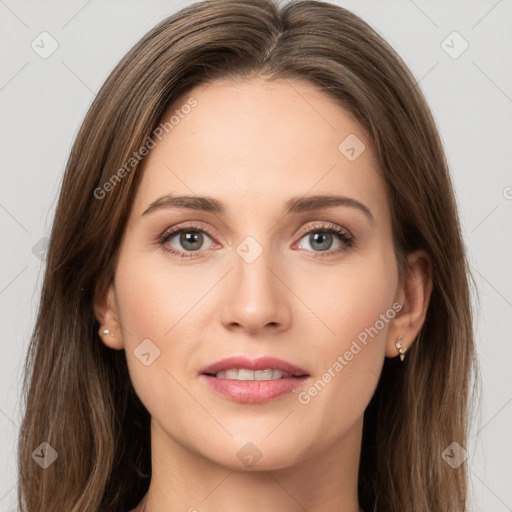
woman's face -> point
(258, 271)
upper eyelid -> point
(325, 225)
(176, 229)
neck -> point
(185, 480)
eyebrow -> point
(293, 205)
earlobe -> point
(414, 295)
(106, 313)
(110, 340)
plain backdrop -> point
(44, 99)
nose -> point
(255, 299)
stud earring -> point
(401, 350)
(105, 332)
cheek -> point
(349, 298)
(354, 310)
(155, 296)
(158, 310)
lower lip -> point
(254, 391)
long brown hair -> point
(78, 394)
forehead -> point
(253, 142)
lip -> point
(252, 391)
(261, 363)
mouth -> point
(246, 380)
(246, 374)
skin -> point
(253, 144)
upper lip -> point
(261, 363)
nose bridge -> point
(254, 281)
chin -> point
(254, 455)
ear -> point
(105, 310)
(414, 296)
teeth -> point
(244, 374)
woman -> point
(194, 348)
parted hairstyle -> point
(77, 393)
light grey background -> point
(44, 101)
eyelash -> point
(322, 227)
